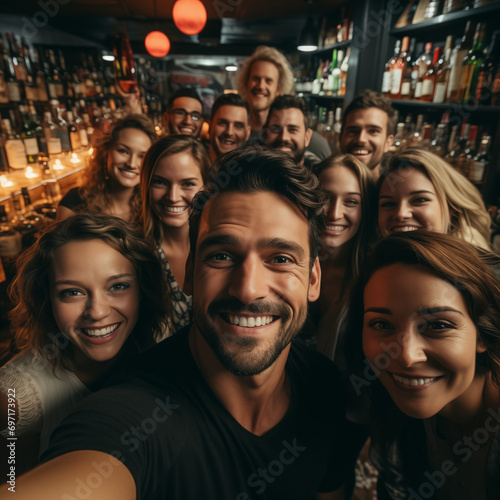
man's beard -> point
(245, 358)
(296, 153)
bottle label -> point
(386, 82)
(52, 90)
(31, 146)
(4, 95)
(76, 142)
(418, 90)
(16, 154)
(396, 77)
(31, 93)
(405, 88)
(54, 146)
(84, 139)
(477, 171)
(11, 244)
(439, 93)
(427, 87)
(13, 91)
(455, 82)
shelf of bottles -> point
(453, 83)
(324, 73)
(56, 104)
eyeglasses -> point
(182, 113)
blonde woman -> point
(112, 185)
(419, 190)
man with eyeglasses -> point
(184, 113)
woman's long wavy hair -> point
(32, 318)
(166, 146)
(361, 240)
(95, 191)
(464, 212)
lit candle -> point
(58, 165)
(5, 182)
(30, 174)
(74, 158)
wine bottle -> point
(429, 80)
(14, 147)
(443, 73)
(423, 63)
(397, 69)
(28, 135)
(487, 71)
(471, 64)
(458, 55)
(387, 79)
(480, 162)
(124, 64)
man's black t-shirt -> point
(180, 443)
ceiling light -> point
(308, 39)
(157, 44)
(231, 67)
(190, 16)
(108, 57)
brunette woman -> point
(174, 170)
(112, 185)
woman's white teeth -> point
(335, 228)
(175, 210)
(100, 332)
(404, 229)
(413, 381)
(250, 322)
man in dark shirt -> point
(230, 408)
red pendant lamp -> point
(157, 44)
(190, 16)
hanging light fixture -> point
(157, 43)
(308, 39)
(190, 16)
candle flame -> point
(30, 174)
(5, 182)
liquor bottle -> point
(443, 73)
(337, 71)
(453, 145)
(54, 147)
(423, 63)
(398, 68)
(472, 63)
(426, 136)
(429, 80)
(81, 127)
(74, 134)
(387, 79)
(318, 81)
(16, 57)
(58, 86)
(458, 55)
(321, 127)
(39, 75)
(438, 144)
(30, 87)
(67, 81)
(468, 153)
(14, 147)
(124, 64)
(50, 183)
(13, 85)
(407, 90)
(37, 127)
(4, 94)
(31, 220)
(417, 135)
(28, 135)
(399, 138)
(10, 245)
(344, 67)
(454, 5)
(433, 9)
(480, 162)
(329, 76)
(488, 70)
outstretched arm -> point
(79, 474)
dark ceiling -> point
(234, 27)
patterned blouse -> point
(183, 304)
